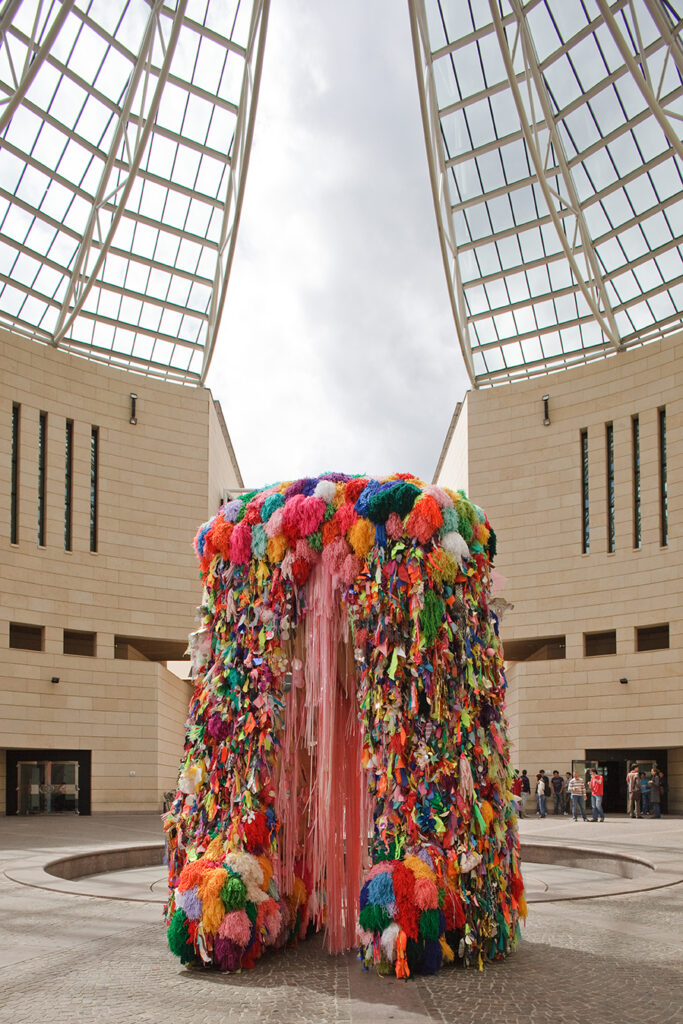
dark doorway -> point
(48, 781)
(616, 764)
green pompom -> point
(178, 937)
(431, 616)
(252, 911)
(316, 540)
(374, 918)
(234, 893)
(492, 545)
(429, 925)
(464, 527)
(272, 502)
(451, 520)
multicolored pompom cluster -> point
(346, 753)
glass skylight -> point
(125, 129)
(553, 134)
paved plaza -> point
(94, 950)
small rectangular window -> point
(14, 485)
(25, 637)
(585, 509)
(637, 521)
(609, 444)
(78, 642)
(94, 472)
(595, 644)
(68, 483)
(42, 476)
(540, 648)
(663, 486)
(652, 638)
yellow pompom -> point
(361, 537)
(448, 954)
(214, 850)
(276, 549)
(419, 868)
(522, 907)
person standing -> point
(644, 794)
(633, 792)
(526, 787)
(557, 784)
(655, 794)
(597, 791)
(565, 795)
(540, 795)
(577, 791)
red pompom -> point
(257, 834)
(408, 916)
(301, 570)
(354, 489)
(424, 520)
(220, 536)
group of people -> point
(644, 792)
(568, 793)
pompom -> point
(240, 544)
(350, 570)
(326, 489)
(259, 541)
(274, 525)
(394, 526)
(346, 516)
(257, 834)
(178, 936)
(426, 894)
(218, 728)
(227, 954)
(191, 875)
(234, 893)
(231, 510)
(429, 925)
(190, 903)
(354, 488)
(220, 536)
(236, 926)
(362, 537)
(456, 546)
(442, 499)
(277, 549)
(424, 520)
(388, 941)
(301, 570)
(374, 918)
(381, 890)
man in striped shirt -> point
(577, 791)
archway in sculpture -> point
(345, 765)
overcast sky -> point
(337, 349)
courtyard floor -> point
(94, 950)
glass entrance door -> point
(47, 787)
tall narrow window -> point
(585, 511)
(94, 460)
(663, 496)
(42, 475)
(14, 486)
(68, 483)
(609, 444)
(637, 521)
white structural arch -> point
(553, 132)
(125, 132)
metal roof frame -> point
(125, 134)
(550, 258)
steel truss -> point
(133, 268)
(552, 266)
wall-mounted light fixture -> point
(133, 416)
(624, 681)
(546, 411)
(55, 679)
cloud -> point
(337, 348)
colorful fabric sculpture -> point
(346, 758)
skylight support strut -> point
(592, 285)
(640, 77)
(239, 162)
(33, 65)
(438, 175)
(110, 190)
